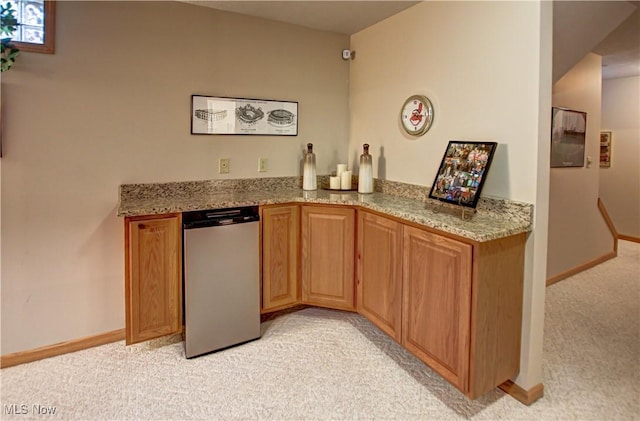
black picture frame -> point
(605, 148)
(462, 172)
(211, 115)
(568, 136)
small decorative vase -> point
(365, 174)
(309, 179)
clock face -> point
(417, 115)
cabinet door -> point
(328, 241)
(280, 256)
(379, 277)
(153, 279)
(437, 303)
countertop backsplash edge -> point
(493, 218)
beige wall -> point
(457, 54)
(577, 231)
(620, 184)
(112, 107)
(486, 66)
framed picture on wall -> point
(568, 130)
(462, 172)
(605, 149)
(225, 116)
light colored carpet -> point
(323, 364)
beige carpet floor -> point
(323, 364)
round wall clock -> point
(416, 115)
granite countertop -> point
(495, 218)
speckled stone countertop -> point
(494, 218)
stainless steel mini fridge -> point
(221, 279)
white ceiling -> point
(343, 17)
(608, 28)
(620, 50)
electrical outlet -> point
(223, 165)
(262, 164)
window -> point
(37, 24)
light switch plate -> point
(262, 164)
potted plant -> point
(8, 25)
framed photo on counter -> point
(462, 172)
(232, 116)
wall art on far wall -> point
(605, 149)
(462, 172)
(224, 116)
(568, 130)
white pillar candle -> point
(341, 168)
(334, 183)
(345, 180)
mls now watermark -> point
(24, 409)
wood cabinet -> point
(462, 307)
(455, 303)
(379, 272)
(153, 277)
(280, 239)
(496, 313)
(327, 262)
(437, 302)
